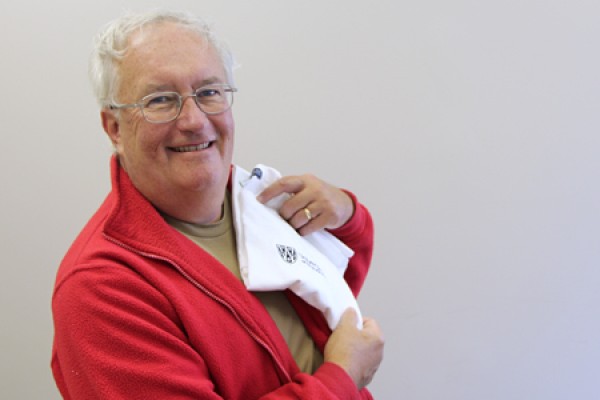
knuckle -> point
(309, 177)
(285, 213)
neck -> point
(198, 205)
(198, 208)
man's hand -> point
(314, 204)
(358, 352)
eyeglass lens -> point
(166, 106)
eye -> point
(161, 100)
(208, 93)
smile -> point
(185, 149)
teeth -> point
(184, 149)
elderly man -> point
(148, 302)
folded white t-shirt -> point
(273, 256)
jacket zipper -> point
(209, 294)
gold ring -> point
(307, 213)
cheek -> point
(227, 129)
(228, 146)
(144, 133)
(140, 140)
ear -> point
(111, 126)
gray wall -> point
(470, 129)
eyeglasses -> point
(162, 107)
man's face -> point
(192, 153)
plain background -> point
(469, 128)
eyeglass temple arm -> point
(120, 106)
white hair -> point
(110, 46)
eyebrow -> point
(167, 87)
(211, 80)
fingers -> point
(288, 184)
(349, 318)
(299, 210)
(358, 351)
(306, 220)
(371, 327)
(313, 204)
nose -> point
(191, 116)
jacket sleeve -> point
(333, 383)
(118, 337)
(358, 234)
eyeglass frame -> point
(181, 99)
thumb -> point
(349, 317)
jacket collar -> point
(134, 224)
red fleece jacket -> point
(141, 312)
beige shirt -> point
(218, 239)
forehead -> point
(167, 54)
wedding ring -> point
(307, 213)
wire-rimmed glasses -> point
(162, 107)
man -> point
(148, 301)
